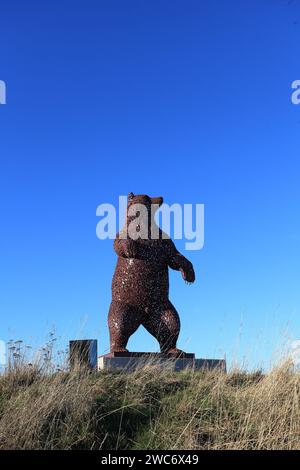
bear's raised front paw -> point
(188, 276)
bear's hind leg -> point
(164, 324)
(123, 321)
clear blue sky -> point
(185, 99)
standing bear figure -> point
(140, 285)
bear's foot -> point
(174, 352)
(115, 350)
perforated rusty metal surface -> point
(140, 286)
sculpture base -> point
(130, 361)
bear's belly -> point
(140, 282)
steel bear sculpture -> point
(140, 285)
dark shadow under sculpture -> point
(140, 286)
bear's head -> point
(147, 201)
(142, 208)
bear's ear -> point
(157, 200)
(130, 196)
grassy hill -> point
(149, 409)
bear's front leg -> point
(178, 262)
(187, 272)
(126, 248)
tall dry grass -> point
(151, 408)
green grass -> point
(152, 408)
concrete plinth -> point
(131, 361)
